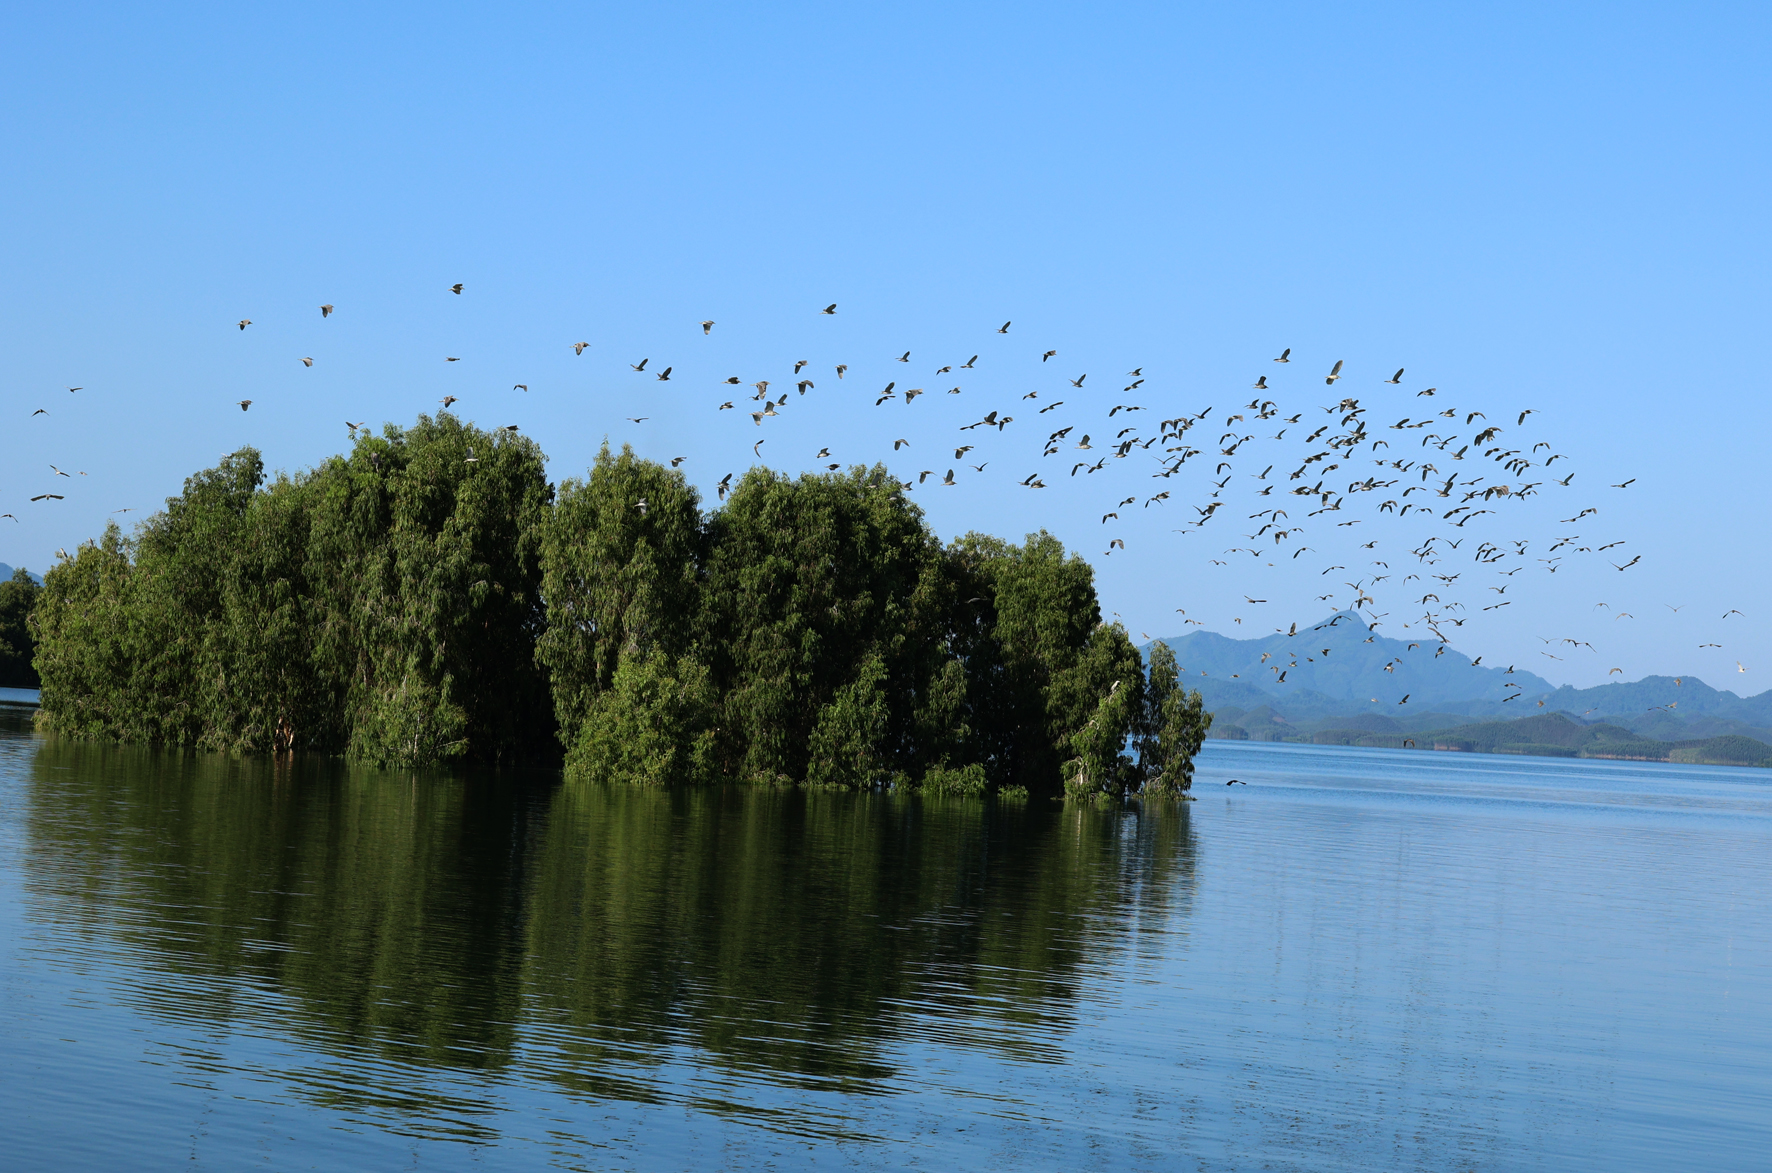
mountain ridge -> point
(1351, 678)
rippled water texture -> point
(1364, 959)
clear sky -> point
(1557, 207)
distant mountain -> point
(6, 573)
(1679, 695)
(1339, 663)
(1336, 691)
(1557, 735)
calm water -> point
(1362, 960)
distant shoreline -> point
(1550, 735)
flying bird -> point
(578, 348)
(325, 311)
(830, 309)
(1003, 329)
(456, 288)
(707, 327)
(523, 387)
(664, 376)
(641, 365)
(307, 362)
(245, 403)
(1396, 378)
(1334, 374)
(447, 400)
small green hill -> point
(1558, 735)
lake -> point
(1362, 959)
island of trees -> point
(430, 597)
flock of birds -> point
(1280, 482)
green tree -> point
(808, 581)
(1172, 729)
(621, 556)
(384, 605)
(17, 646)
(1111, 674)
(652, 726)
(425, 560)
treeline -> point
(431, 597)
(1558, 735)
(18, 595)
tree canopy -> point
(17, 648)
(429, 596)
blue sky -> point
(1558, 208)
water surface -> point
(1364, 959)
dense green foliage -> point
(17, 647)
(407, 604)
(383, 605)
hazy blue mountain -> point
(6, 573)
(1336, 691)
(1682, 696)
(1558, 735)
(1349, 675)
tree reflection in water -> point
(408, 932)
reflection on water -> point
(1364, 959)
(588, 936)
